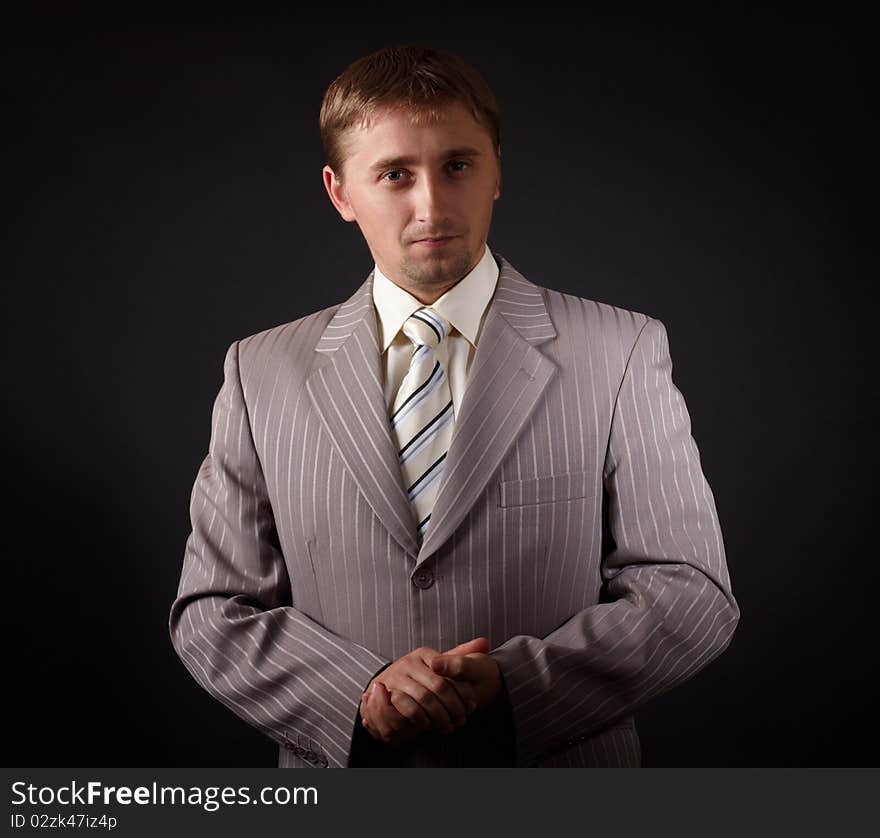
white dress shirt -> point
(464, 306)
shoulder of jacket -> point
(302, 333)
(610, 319)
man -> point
(458, 519)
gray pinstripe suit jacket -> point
(573, 527)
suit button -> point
(423, 579)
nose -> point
(429, 198)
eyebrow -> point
(391, 162)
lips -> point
(435, 242)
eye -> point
(389, 176)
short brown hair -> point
(415, 78)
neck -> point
(427, 297)
(430, 294)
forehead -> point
(392, 132)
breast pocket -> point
(552, 488)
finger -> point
(372, 715)
(381, 700)
(368, 718)
(389, 723)
(458, 667)
(411, 710)
(435, 695)
(401, 728)
(478, 644)
(423, 693)
(467, 693)
(445, 693)
(364, 707)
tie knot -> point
(425, 326)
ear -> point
(337, 194)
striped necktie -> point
(422, 415)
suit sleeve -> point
(232, 622)
(667, 607)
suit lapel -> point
(348, 394)
(507, 377)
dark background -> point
(165, 198)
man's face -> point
(404, 183)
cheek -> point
(480, 214)
(376, 223)
(384, 217)
(481, 199)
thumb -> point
(379, 695)
(478, 644)
(375, 689)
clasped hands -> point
(426, 689)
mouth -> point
(438, 242)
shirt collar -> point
(463, 305)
